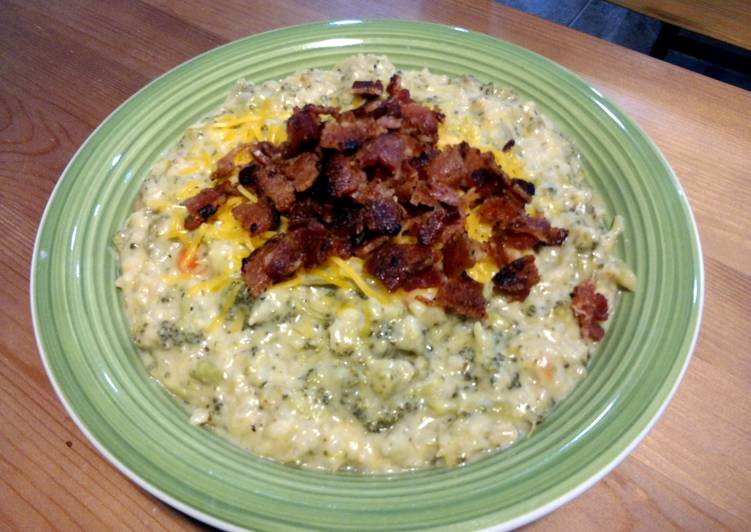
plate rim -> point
(522, 519)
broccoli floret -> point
(170, 335)
(207, 373)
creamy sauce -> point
(329, 370)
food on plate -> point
(372, 270)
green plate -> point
(94, 367)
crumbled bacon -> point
(256, 218)
(227, 188)
(423, 120)
(489, 180)
(393, 264)
(462, 295)
(202, 206)
(429, 277)
(345, 177)
(396, 91)
(349, 134)
(383, 217)
(302, 170)
(447, 167)
(386, 150)
(519, 240)
(433, 194)
(318, 244)
(435, 224)
(304, 213)
(371, 246)
(277, 260)
(494, 248)
(516, 279)
(499, 211)
(275, 186)
(389, 122)
(246, 176)
(539, 228)
(524, 190)
(304, 128)
(284, 254)
(347, 220)
(457, 255)
(226, 165)
(349, 182)
(264, 152)
(590, 308)
(367, 88)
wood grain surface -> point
(726, 20)
(66, 65)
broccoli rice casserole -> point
(338, 278)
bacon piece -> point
(367, 88)
(432, 194)
(202, 206)
(348, 221)
(227, 188)
(264, 152)
(423, 120)
(369, 247)
(374, 190)
(345, 177)
(489, 181)
(430, 229)
(284, 254)
(246, 177)
(383, 217)
(524, 190)
(474, 159)
(318, 244)
(447, 167)
(438, 226)
(306, 212)
(519, 240)
(368, 108)
(499, 211)
(539, 228)
(589, 307)
(256, 218)
(393, 263)
(396, 91)
(226, 165)
(426, 278)
(391, 108)
(387, 151)
(457, 255)
(304, 128)
(462, 295)
(516, 279)
(277, 260)
(495, 250)
(302, 170)
(275, 186)
(349, 133)
(389, 122)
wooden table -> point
(66, 65)
(728, 20)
